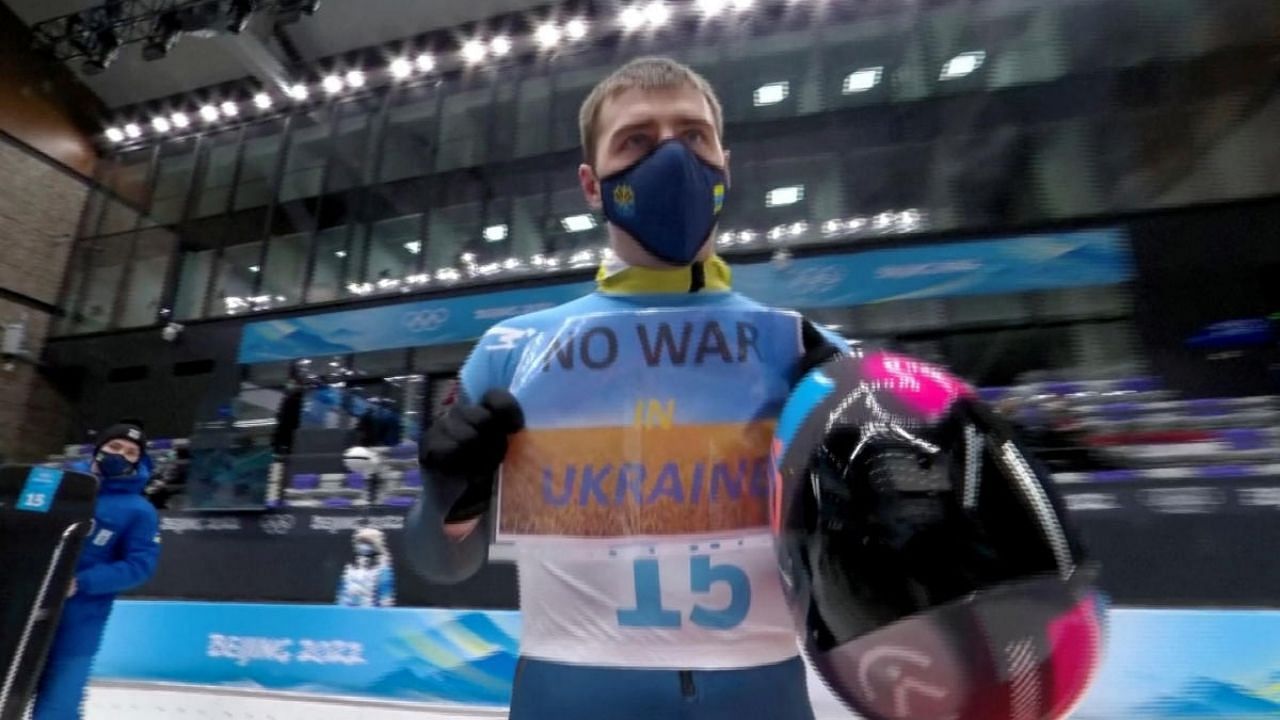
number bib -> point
(638, 494)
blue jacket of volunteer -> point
(119, 554)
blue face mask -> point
(114, 465)
(669, 201)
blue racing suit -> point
(651, 589)
(119, 554)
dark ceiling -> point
(338, 26)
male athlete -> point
(637, 491)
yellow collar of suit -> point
(627, 280)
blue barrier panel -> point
(403, 653)
(1159, 664)
(1019, 264)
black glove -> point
(466, 445)
(817, 350)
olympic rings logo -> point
(815, 280)
(425, 320)
(276, 524)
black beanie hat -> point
(130, 431)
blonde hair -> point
(646, 73)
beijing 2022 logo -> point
(425, 320)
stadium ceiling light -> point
(230, 109)
(179, 120)
(632, 18)
(332, 84)
(578, 223)
(255, 268)
(771, 93)
(413, 246)
(712, 7)
(161, 124)
(355, 78)
(400, 68)
(495, 233)
(262, 101)
(657, 13)
(425, 62)
(862, 80)
(132, 130)
(299, 92)
(209, 113)
(500, 45)
(547, 35)
(473, 51)
(576, 29)
(340, 254)
(962, 65)
(115, 134)
(780, 196)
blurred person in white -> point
(368, 580)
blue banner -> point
(438, 321)
(1158, 664)
(988, 267)
(1020, 264)
(411, 654)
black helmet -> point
(926, 558)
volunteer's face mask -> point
(114, 465)
(669, 201)
(366, 549)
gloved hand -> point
(465, 447)
(817, 350)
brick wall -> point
(39, 208)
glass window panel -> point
(308, 153)
(237, 278)
(173, 180)
(784, 188)
(409, 139)
(572, 87)
(533, 117)
(152, 253)
(567, 201)
(394, 248)
(349, 145)
(464, 129)
(91, 214)
(126, 177)
(285, 270)
(452, 231)
(106, 262)
(194, 271)
(500, 121)
(258, 164)
(219, 169)
(530, 225)
(771, 81)
(861, 62)
(78, 270)
(118, 217)
(330, 265)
